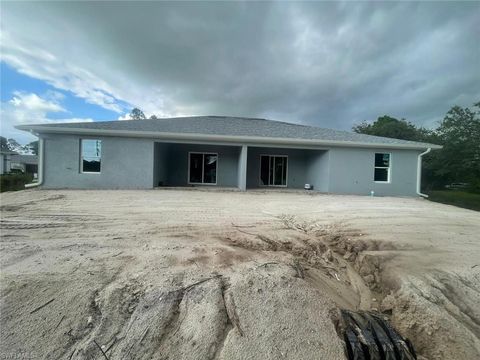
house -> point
(6, 161)
(11, 161)
(27, 164)
(223, 151)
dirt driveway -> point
(170, 274)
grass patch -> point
(13, 182)
(461, 199)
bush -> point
(474, 186)
(458, 198)
(12, 182)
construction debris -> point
(370, 336)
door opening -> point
(273, 170)
(202, 168)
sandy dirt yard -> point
(179, 274)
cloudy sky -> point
(330, 64)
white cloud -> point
(38, 63)
(125, 117)
(34, 103)
(29, 108)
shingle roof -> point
(227, 126)
(25, 159)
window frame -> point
(81, 156)
(260, 171)
(203, 168)
(389, 168)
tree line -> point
(459, 134)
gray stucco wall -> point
(317, 170)
(352, 171)
(126, 163)
(176, 164)
(304, 166)
(133, 163)
(296, 166)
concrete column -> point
(242, 168)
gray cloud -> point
(327, 64)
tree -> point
(137, 114)
(33, 146)
(458, 133)
(390, 127)
(13, 144)
(153, 117)
(4, 144)
(459, 160)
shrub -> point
(467, 200)
(474, 186)
(12, 182)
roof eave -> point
(220, 138)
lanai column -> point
(242, 168)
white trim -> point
(260, 171)
(41, 161)
(230, 138)
(203, 167)
(389, 168)
(81, 157)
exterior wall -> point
(352, 170)
(126, 163)
(296, 166)
(134, 163)
(175, 167)
(318, 170)
(303, 167)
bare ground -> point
(171, 274)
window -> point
(382, 167)
(90, 155)
(202, 168)
(273, 170)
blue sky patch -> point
(12, 81)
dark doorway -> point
(273, 170)
(202, 168)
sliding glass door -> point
(202, 168)
(273, 170)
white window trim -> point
(260, 172)
(81, 157)
(389, 168)
(203, 168)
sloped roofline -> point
(44, 129)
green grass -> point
(462, 199)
